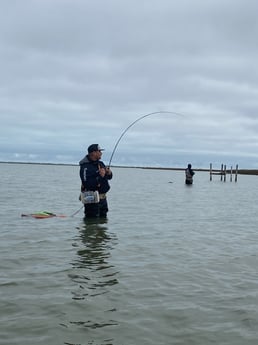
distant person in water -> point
(95, 178)
(189, 174)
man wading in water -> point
(189, 174)
(94, 178)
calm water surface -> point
(172, 264)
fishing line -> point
(133, 123)
(72, 215)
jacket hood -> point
(87, 160)
(84, 160)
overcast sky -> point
(77, 72)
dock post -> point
(236, 173)
(231, 173)
(210, 171)
(225, 172)
(221, 172)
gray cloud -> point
(77, 72)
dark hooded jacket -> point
(90, 177)
(189, 174)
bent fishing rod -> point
(133, 123)
(47, 214)
(123, 133)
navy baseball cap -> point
(94, 147)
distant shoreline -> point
(228, 171)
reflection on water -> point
(97, 244)
(92, 270)
(95, 278)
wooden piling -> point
(223, 172)
(236, 171)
